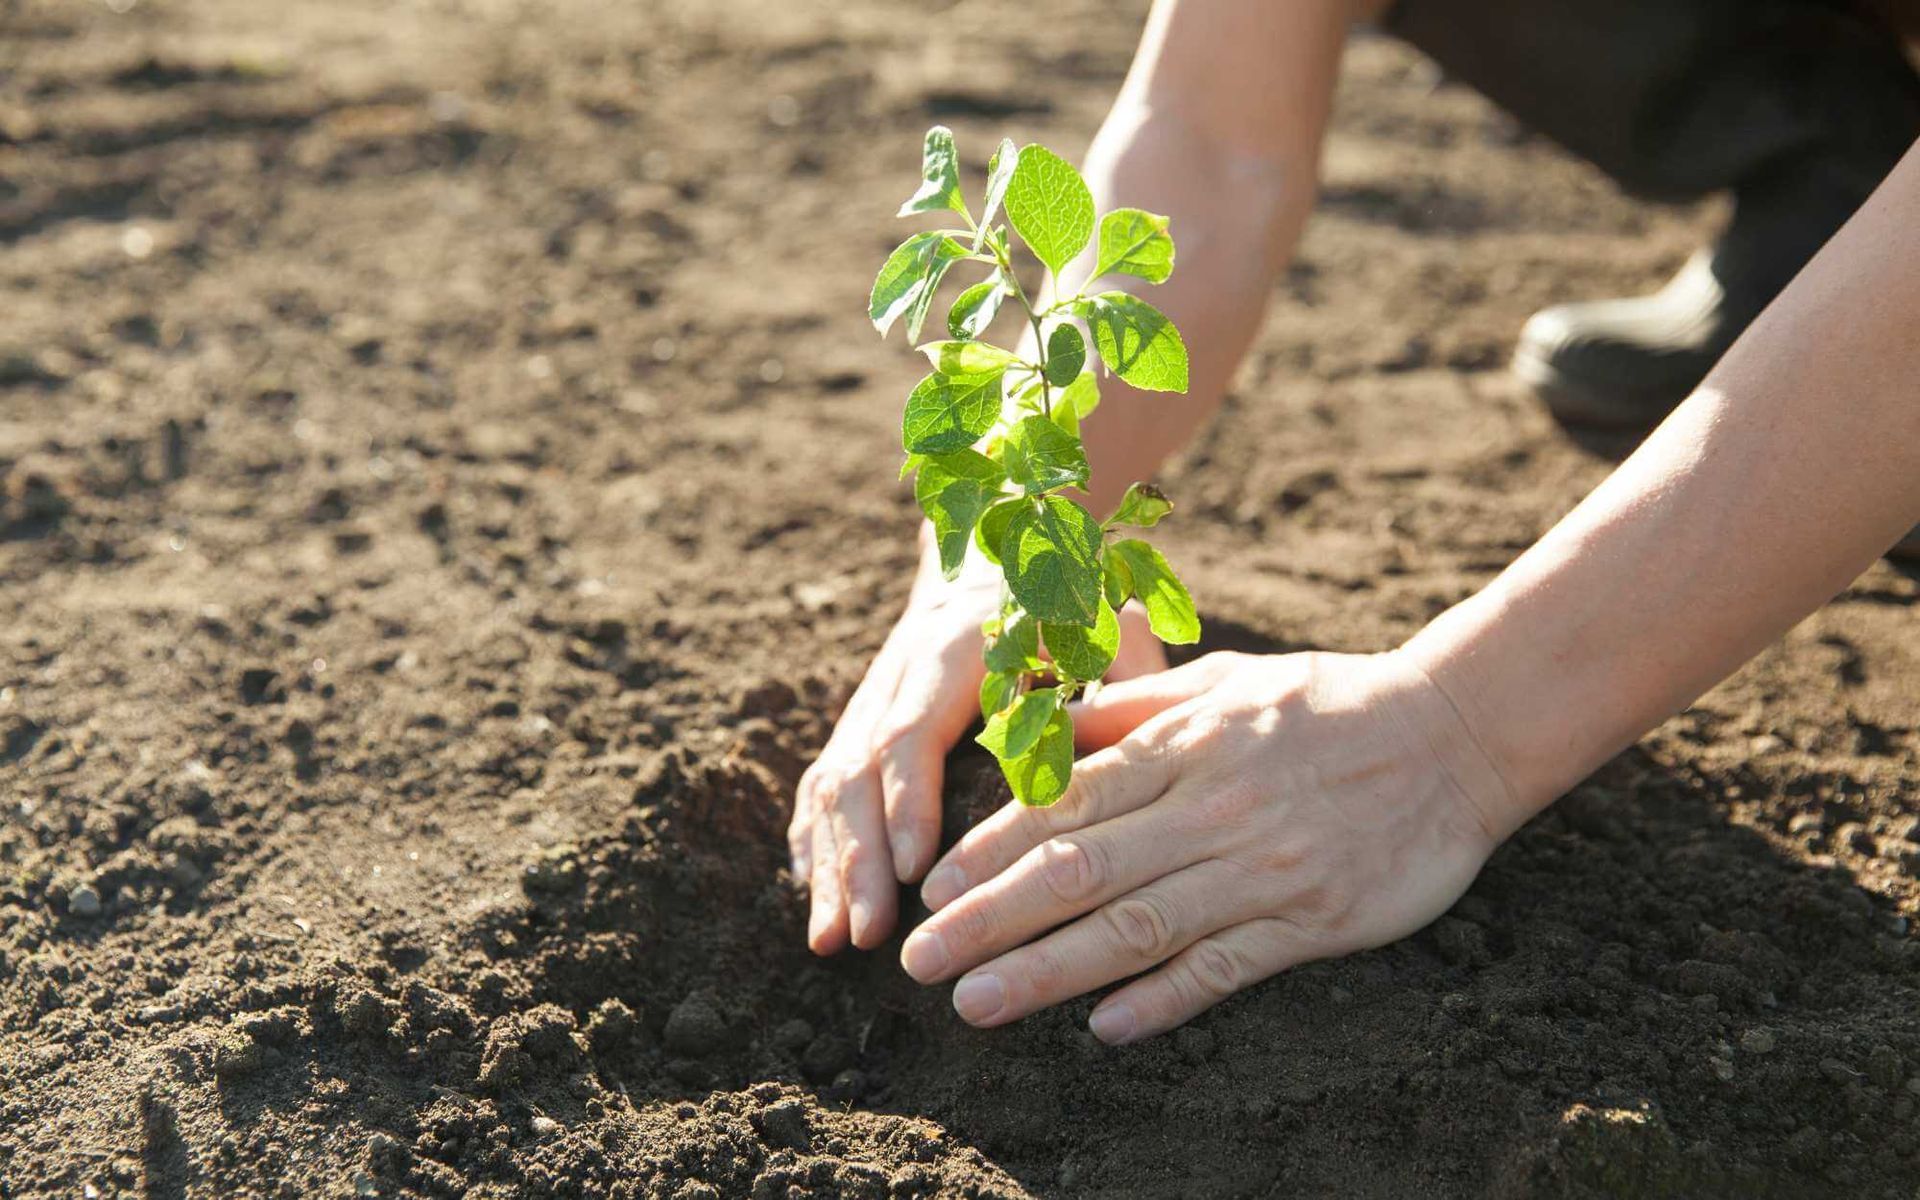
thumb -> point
(1114, 710)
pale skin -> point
(1242, 814)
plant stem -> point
(1033, 318)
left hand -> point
(1248, 813)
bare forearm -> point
(1235, 167)
(1236, 219)
(1795, 465)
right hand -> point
(867, 813)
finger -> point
(1105, 784)
(800, 828)
(864, 864)
(853, 729)
(1131, 934)
(1141, 653)
(1200, 977)
(1058, 880)
(1115, 710)
(931, 708)
(827, 919)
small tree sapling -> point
(993, 438)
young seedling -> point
(994, 437)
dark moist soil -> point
(449, 488)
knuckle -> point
(850, 852)
(1086, 793)
(1144, 926)
(1073, 868)
(894, 731)
(827, 778)
(973, 924)
(1229, 804)
(1216, 970)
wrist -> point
(1503, 795)
(1545, 704)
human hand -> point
(867, 812)
(1250, 813)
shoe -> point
(1625, 364)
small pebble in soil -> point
(695, 1028)
(544, 1126)
(84, 901)
(1758, 1040)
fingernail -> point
(978, 997)
(925, 955)
(903, 852)
(859, 919)
(1112, 1024)
(943, 886)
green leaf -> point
(1013, 731)
(1040, 456)
(993, 526)
(999, 174)
(953, 490)
(997, 690)
(1083, 394)
(1017, 648)
(1066, 418)
(1066, 354)
(1040, 776)
(950, 412)
(1082, 653)
(968, 358)
(1135, 242)
(1050, 553)
(1116, 582)
(1137, 342)
(1143, 505)
(1170, 610)
(907, 280)
(977, 307)
(940, 176)
(1050, 206)
(923, 301)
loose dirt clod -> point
(695, 1028)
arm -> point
(1792, 468)
(1255, 812)
(1217, 126)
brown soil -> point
(449, 487)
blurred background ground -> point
(447, 487)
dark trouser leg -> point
(1799, 107)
